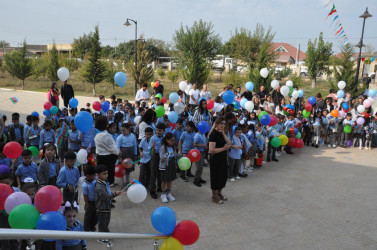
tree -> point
(318, 58)
(110, 72)
(163, 48)
(161, 73)
(195, 45)
(53, 64)
(173, 77)
(235, 78)
(18, 64)
(95, 70)
(108, 51)
(344, 71)
(82, 45)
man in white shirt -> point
(194, 96)
(142, 95)
(206, 93)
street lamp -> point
(127, 23)
(360, 45)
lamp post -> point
(127, 23)
(360, 45)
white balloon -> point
(249, 106)
(264, 72)
(183, 85)
(179, 107)
(275, 84)
(137, 193)
(293, 100)
(63, 74)
(137, 119)
(187, 91)
(82, 156)
(217, 107)
(341, 84)
(284, 91)
(295, 94)
(289, 83)
(360, 109)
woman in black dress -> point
(219, 144)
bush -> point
(234, 78)
(282, 73)
(297, 81)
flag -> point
(332, 11)
(14, 100)
(339, 31)
(63, 133)
(372, 59)
(336, 17)
(153, 148)
(362, 59)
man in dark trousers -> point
(67, 93)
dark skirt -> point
(169, 174)
(128, 153)
(218, 171)
(74, 247)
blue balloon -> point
(201, 98)
(105, 106)
(372, 93)
(164, 220)
(83, 121)
(249, 86)
(340, 94)
(265, 120)
(173, 116)
(312, 100)
(300, 93)
(290, 106)
(120, 78)
(228, 97)
(345, 106)
(52, 221)
(243, 102)
(35, 113)
(46, 112)
(73, 103)
(203, 127)
(173, 97)
(296, 131)
(236, 105)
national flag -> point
(63, 133)
(332, 11)
(14, 100)
(153, 148)
(339, 31)
(362, 59)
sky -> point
(42, 21)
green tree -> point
(344, 71)
(110, 72)
(161, 73)
(173, 77)
(108, 51)
(95, 70)
(126, 50)
(195, 45)
(82, 45)
(318, 58)
(235, 78)
(53, 64)
(163, 48)
(18, 64)
(39, 65)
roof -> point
(288, 50)
(284, 58)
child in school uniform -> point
(87, 139)
(201, 145)
(186, 143)
(333, 130)
(28, 170)
(61, 135)
(89, 192)
(34, 132)
(369, 131)
(112, 129)
(145, 158)
(289, 123)
(345, 136)
(358, 132)
(234, 155)
(178, 130)
(154, 148)
(68, 177)
(325, 128)
(168, 129)
(49, 167)
(73, 138)
(317, 127)
(47, 134)
(27, 126)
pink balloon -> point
(273, 121)
(367, 103)
(341, 114)
(16, 199)
(360, 121)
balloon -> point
(127, 163)
(218, 107)
(249, 86)
(372, 93)
(189, 86)
(4, 169)
(265, 120)
(341, 84)
(262, 113)
(179, 107)
(63, 74)
(183, 85)
(194, 155)
(360, 121)
(290, 132)
(291, 89)
(275, 142)
(299, 143)
(164, 220)
(295, 94)
(334, 113)
(236, 105)
(298, 136)
(308, 107)
(83, 121)
(345, 106)
(48, 198)
(152, 84)
(137, 193)
(203, 127)
(289, 109)
(312, 100)
(96, 106)
(283, 139)
(156, 84)
(105, 106)
(120, 78)
(159, 96)
(300, 93)
(367, 103)
(184, 163)
(52, 221)
(305, 113)
(242, 102)
(173, 97)
(34, 150)
(340, 94)
(291, 142)
(264, 72)
(5, 191)
(46, 112)
(24, 216)
(210, 104)
(54, 110)
(342, 114)
(15, 199)
(171, 244)
(82, 156)
(160, 111)
(186, 232)
(284, 90)
(274, 121)
(360, 108)
(249, 106)
(47, 105)
(120, 171)
(12, 150)
(347, 129)
(73, 103)
(366, 115)
(275, 84)
(173, 116)
(289, 83)
(228, 97)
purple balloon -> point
(4, 169)
(16, 199)
(360, 121)
(342, 114)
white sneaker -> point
(231, 179)
(170, 197)
(334, 146)
(360, 148)
(164, 198)
(237, 177)
(263, 162)
(329, 146)
(277, 155)
(205, 162)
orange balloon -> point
(334, 113)
(40, 153)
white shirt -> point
(206, 94)
(194, 93)
(142, 94)
(105, 144)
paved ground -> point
(315, 199)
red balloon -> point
(47, 105)
(291, 142)
(127, 163)
(5, 191)
(274, 120)
(156, 84)
(193, 155)
(308, 107)
(164, 100)
(210, 104)
(96, 106)
(186, 232)
(366, 115)
(172, 125)
(12, 150)
(49, 198)
(299, 143)
(120, 171)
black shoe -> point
(313, 145)
(316, 146)
(113, 201)
(159, 190)
(189, 175)
(198, 184)
(275, 159)
(268, 160)
(290, 152)
(183, 178)
(112, 206)
(244, 175)
(202, 181)
(153, 195)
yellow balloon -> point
(171, 244)
(152, 84)
(284, 139)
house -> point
(287, 55)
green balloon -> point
(54, 110)
(262, 113)
(34, 150)
(184, 163)
(24, 216)
(298, 136)
(160, 111)
(306, 113)
(291, 89)
(159, 96)
(347, 129)
(275, 142)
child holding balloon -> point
(47, 134)
(49, 166)
(347, 129)
(201, 145)
(28, 170)
(68, 177)
(145, 158)
(186, 143)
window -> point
(281, 49)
